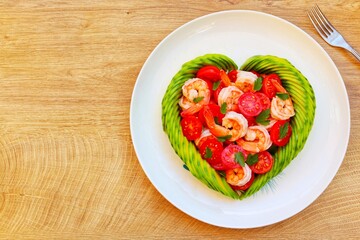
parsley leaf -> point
(283, 96)
(252, 159)
(224, 138)
(216, 119)
(208, 153)
(223, 108)
(262, 118)
(216, 85)
(198, 99)
(240, 159)
(284, 130)
(258, 84)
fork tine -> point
(318, 26)
(329, 27)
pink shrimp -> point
(257, 139)
(281, 109)
(234, 125)
(230, 95)
(196, 94)
(244, 80)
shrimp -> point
(234, 125)
(257, 139)
(238, 176)
(196, 93)
(281, 109)
(244, 80)
(230, 95)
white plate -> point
(240, 35)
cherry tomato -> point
(249, 104)
(251, 121)
(277, 129)
(209, 72)
(246, 186)
(264, 164)
(203, 139)
(264, 100)
(210, 151)
(215, 110)
(191, 127)
(267, 86)
(233, 75)
(228, 156)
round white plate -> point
(240, 35)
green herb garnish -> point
(263, 117)
(252, 159)
(224, 138)
(258, 84)
(240, 159)
(223, 108)
(198, 99)
(284, 130)
(283, 96)
(208, 153)
(216, 85)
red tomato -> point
(246, 186)
(267, 87)
(191, 127)
(210, 151)
(264, 164)
(249, 104)
(211, 73)
(203, 139)
(228, 156)
(215, 110)
(264, 100)
(251, 120)
(276, 130)
(233, 75)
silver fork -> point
(328, 32)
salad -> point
(234, 118)
(237, 128)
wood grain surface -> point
(68, 169)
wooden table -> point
(68, 168)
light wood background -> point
(68, 169)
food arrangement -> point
(236, 129)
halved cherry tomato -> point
(228, 156)
(215, 110)
(276, 130)
(246, 186)
(233, 75)
(191, 127)
(267, 87)
(265, 101)
(209, 72)
(210, 151)
(249, 104)
(264, 164)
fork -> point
(328, 32)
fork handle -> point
(353, 51)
